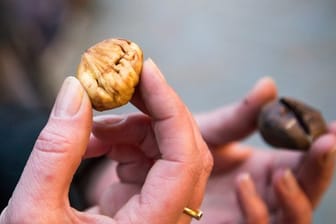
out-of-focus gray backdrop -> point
(212, 52)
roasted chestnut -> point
(291, 124)
(109, 71)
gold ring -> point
(196, 214)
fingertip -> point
(332, 127)
(325, 147)
(267, 80)
(239, 120)
(152, 69)
(326, 140)
(244, 178)
(151, 82)
(246, 185)
(263, 92)
(253, 206)
(158, 98)
(265, 88)
(324, 144)
(285, 181)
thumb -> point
(58, 150)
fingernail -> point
(109, 120)
(69, 98)
(156, 68)
(245, 182)
(244, 177)
(288, 180)
(329, 157)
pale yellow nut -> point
(109, 71)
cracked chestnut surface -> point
(109, 71)
(291, 124)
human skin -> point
(247, 185)
(179, 157)
(254, 185)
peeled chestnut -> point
(109, 71)
(291, 124)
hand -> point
(163, 168)
(261, 186)
(169, 138)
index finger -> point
(176, 173)
(236, 121)
(170, 117)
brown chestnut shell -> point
(291, 124)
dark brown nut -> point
(289, 123)
(109, 71)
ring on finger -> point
(196, 214)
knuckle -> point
(208, 162)
(206, 158)
(52, 141)
(194, 170)
(202, 164)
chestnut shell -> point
(291, 124)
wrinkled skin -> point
(174, 158)
(109, 71)
(164, 164)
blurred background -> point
(212, 52)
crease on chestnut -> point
(290, 123)
(109, 71)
